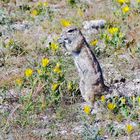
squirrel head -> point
(72, 40)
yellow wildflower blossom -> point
(55, 86)
(34, 13)
(19, 82)
(138, 1)
(103, 98)
(45, 62)
(87, 109)
(125, 9)
(54, 47)
(123, 100)
(45, 4)
(139, 100)
(94, 42)
(28, 72)
(65, 23)
(10, 43)
(111, 106)
(113, 30)
(57, 68)
(123, 1)
(7, 46)
(129, 128)
(69, 86)
(133, 99)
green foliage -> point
(114, 39)
(91, 132)
(72, 2)
(48, 85)
(4, 17)
(6, 1)
(108, 119)
(14, 47)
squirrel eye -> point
(71, 30)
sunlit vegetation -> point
(37, 76)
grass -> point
(39, 94)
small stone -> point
(94, 24)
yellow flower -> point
(139, 100)
(57, 68)
(54, 47)
(69, 86)
(34, 13)
(87, 109)
(45, 4)
(103, 98)
(55, 86)
(123, 1)
(133, 99)
(113, 30)
(125, 9)
(138, 1)
(120, 1)
(123, 100)
(111, 106)
(65, 23)
(10, 43)
(94, 42)
(19, 82)
(39, 72)
(45, 62)
(129, 128)
(28, 72)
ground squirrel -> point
(91, 78)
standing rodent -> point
(91, 77)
